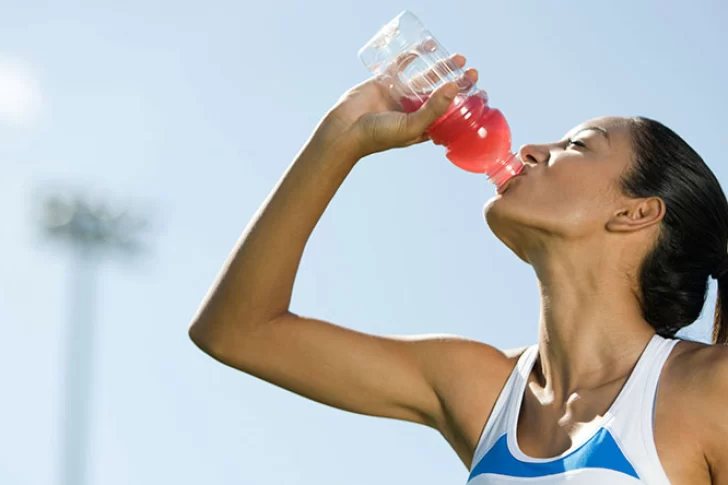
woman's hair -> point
(693, 235)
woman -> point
(623, 224)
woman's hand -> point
(366, 119)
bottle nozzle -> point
(505, 169)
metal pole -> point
(91, 231)
(79, 368)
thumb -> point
(418, 121)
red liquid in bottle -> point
(477, 137)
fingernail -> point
(450, 91)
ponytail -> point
(720, 321)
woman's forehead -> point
(617, 130)
(607, 124)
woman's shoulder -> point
(691, 358)
(695, 395)
(698, 367)
(694, 386)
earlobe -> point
(639, 214)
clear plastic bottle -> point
(406, 58)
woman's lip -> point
(503, 188)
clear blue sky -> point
(192, 110)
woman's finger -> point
(472, 74)
(443, 70)
(437, 104)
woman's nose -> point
(534, 154)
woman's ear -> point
(637, 215)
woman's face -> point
(569, 189)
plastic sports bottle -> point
(411, 63)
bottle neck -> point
(505, 169)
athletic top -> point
(618, 450)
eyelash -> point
(578, 143)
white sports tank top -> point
(618, 450)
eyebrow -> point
(598, 129)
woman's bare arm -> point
(245, 320)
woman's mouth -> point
(504, 188)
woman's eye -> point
(578, 143)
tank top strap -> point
(526, 362)
(653, 368)
(631, 418)
(637, 399)
(521, 373)
(510, 397)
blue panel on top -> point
(601, 451)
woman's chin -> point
(495, 209)
(503, 216)
(489, 204)
(495, 215)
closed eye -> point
(578, 143)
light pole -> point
(91, 231)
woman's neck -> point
(591, 328)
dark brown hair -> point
(693, 234)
